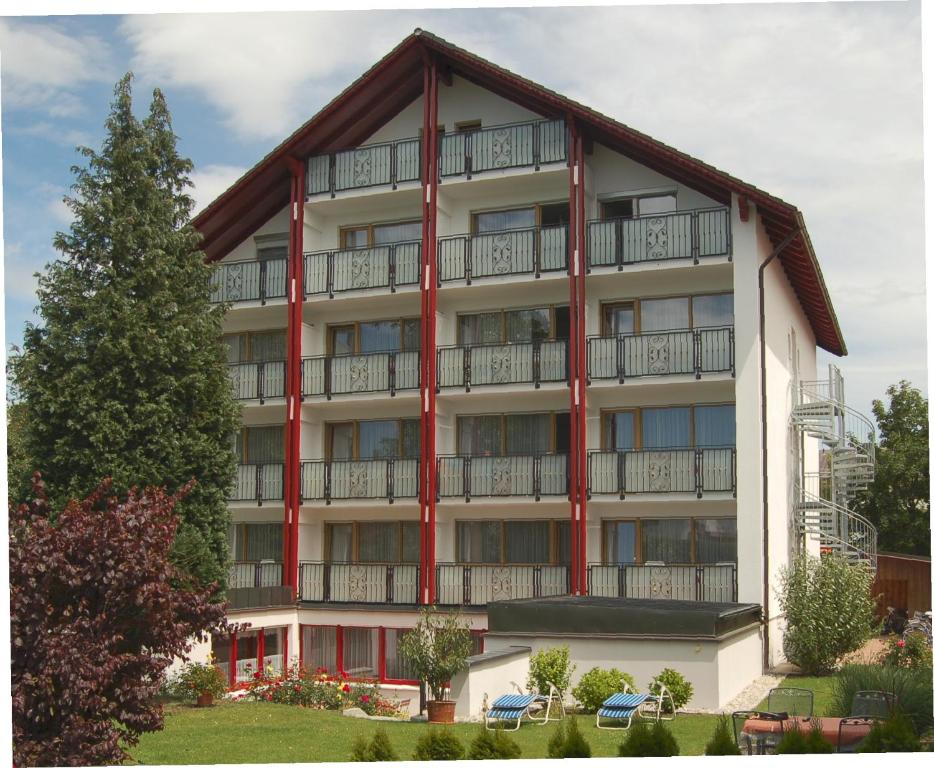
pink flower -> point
(900, 643)
(346, 688)
(298, 689)
(365, 699)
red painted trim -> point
(381, 661)
(301, 645)
(339, 649)
(261, 649)
(743, 208)
(425, 468)
(285, 648)
(573, 380)
(431, 352)
(232, 672)
(580, 244)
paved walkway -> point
(749, 698)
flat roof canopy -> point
(619, 616)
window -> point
(261, 445)
(259, 347)
(671, 541)
(645, 205)
(256, 541)
(514, 326)
(714, 426)
(375, 336)
(276, 248)
(545, 215)
(518, 542)
(620, 541)
(373, 542)
(370, 235)
(377, 439)
(361, 652)
(666, 541)
(715, 540)
(398, 667)
(319, 649)
(513, 434)
(672, 313)
(672, 427)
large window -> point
(372, 542)
(545, 215)
(696, 426)
(377, 439)
(671, 541)
(256, 541)
(513, 434)
(395, 335)
(261, 445)
(369, 235)
(514, 326)
(516, 542)
(258, 347)
(253, 650)
(639, 205)
(672, 313)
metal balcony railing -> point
(659, 353)
(519, 475)
(474, 365)
(377, 583)
(366, 372)
(257, 381)
(659, 237)
(714, 583)
(461, 584)
(262, 573)
(662, 470)
(530, 251)
(360, 269)
(249, 281)
(371, 165)
(259, 482)
(514, 145)
(359, 479)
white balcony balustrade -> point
(475, 365)
(259, 482)
(519, 475)
(362, 269)
(257, 381)
(461, 584)
(348, 479)
(377, 583)
(240, 281)
(353, 374)
(531, 251)
(715, 583)
(672, 470)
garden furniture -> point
(623, 707)
(756, 732)
(851, 732)
(791, 701)
(878, 704)
(655, 704)
(761, 732)
(512, 707)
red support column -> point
(573, 381)
(431, 283)
(232, 672)
(581, 269)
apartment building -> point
(491, 345)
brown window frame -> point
(329, 439)
(369, 227)
(537, 207)
(553, 538)
(553, 436)
(331, 327)
(635, 203)
(502, 320)
(640, 554)
(636, 304)
(605, 434)
(355, 540)
(244, 441)
(249, 335)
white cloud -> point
(19, 268)
(210, 181)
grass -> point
(258, 732)
(822, 687)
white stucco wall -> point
(487, 679)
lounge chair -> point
(622, 707)
(655, 704)
(852, 731)
(512, 707)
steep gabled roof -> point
(395, 81)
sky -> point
(819, 104)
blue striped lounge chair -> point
(621, 708)
(512, 707)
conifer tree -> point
(125, 375)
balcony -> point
(531, 251)
(684, 235)
(362, 269)
(521, 475)
(700, 583)
(355, 374)
(464, 153)
(475, 365)
(259, 482)
(257, 381)
(256, 585)
(249, 281)
(675, 470)
(348, 479)
(660, 353)
(478, 585)
(376, 583)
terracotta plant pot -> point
(441, 711)
(205, 699)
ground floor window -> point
(241, 654)
(684, 540)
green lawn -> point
(272, 733)
(821, 686)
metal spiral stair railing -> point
(837, 528)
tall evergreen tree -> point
(125, 376)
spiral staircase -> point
(823, 499)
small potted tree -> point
(437, 649)
(201, 682)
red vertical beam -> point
(232, 672)
(425, 469)
(581, 269)
(431, 283)
(573, 461)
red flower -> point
(365, 699)
(346, 688)
(344, 675)
(257, 675)
(901, 643)
(298, 689)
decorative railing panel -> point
(370, 165)
(362, 269)
(529, 251)
(468, 476)
(659, 237)
(659, 353)
(259, 482)
(386, 583)
(249, 281)
(257, 381)
(459, 584)
(244, 575)
(702, 583)
(359, 479)
(368, 372)
(515, 363)
(518, 145)
(676, 470)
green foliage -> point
(550, 665)
(898, 501)
(645, 740)
(493, 745)
(20, 464)
(125, 375)
(378, 750)
(912, 652)
(194, 679)
(912, 689)
(896, 734)
(568, 743)
(828, 609)
(680, 689)
(437, 649)
(597, 685)
(810, 742)
(722, 743)
(438, 744)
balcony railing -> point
(658, 353)
(516, 145)
(362, 269)
(359, 479)
(674, 470)
(384, 583)
(259, 482)
(659, 237)
(264, 573)
(529, 251)
(367, 372)
(522, 475)
(474, 365)
(249, 281)
(701, 583)
(459, 584)
(257, 381)
(371, 165)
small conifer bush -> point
(722, 743)
(649, 741)
(493, 745)
(378, 750)
(569, 743)
(894, 735)
(438, 744)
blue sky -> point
(819, 104)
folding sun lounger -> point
(513, 707)
(621, 707)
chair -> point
(509, 709)
(795, 701)
(851, 732)
(877, 704)
(757, 742)
(621, 707)
(554, 698)
(655, 704)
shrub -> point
(550, 665)
(798, 742)
(680, 689)
(493, 745)
(556, 742)
(194, 679)
(437, 649)
(913, 692)
(828, 609)
(894, 735)
(438, 744)
(570, 743)
(649, 741)
(912, 652)
(597, 685)
(722, 743)
(378, 750)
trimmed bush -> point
(597, 685)
(438, 744)
(649, 741)
(798, 742)
(722, 743)
(570, 743)
(680, 689)
(550, 665)
(493, 745)
(377, 751)
(894, 735)
(912, 689)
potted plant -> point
(437, 649)
(202, 682)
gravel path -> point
(749, 698)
